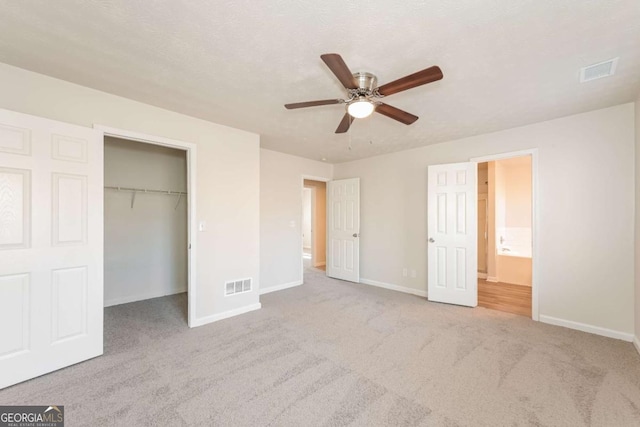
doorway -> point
(505, 234)
(314, 225)
(145, 222)
(153, 193)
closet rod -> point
(146, 190)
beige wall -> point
(319, 222)
(307, 227)
(228, 174)
(517, 190)
(145, 247)
(281, 183)
(583, 278)
(637, 223)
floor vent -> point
(597, 71)
(237, 286)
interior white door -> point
(343, 251)
(51, 233)
(452, 229)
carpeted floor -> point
(335, 353)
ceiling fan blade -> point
(420, 78)
(312, 103)
(345, 123)
(396, 113)
(340, 69)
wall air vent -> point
(597, 71)
(237, 286)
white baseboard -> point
(492, 279)
(482, 275)
(406, 290)
(142, 297)
(587, 328)
(320, 264)
(280, 287)
(636, 343)
(224, 315)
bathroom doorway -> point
(314, 225)
(505, 234)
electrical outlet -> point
(404, 272)
(413, 273)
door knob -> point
(355, 234)
(431, 240)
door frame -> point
(192, 227)
(535, 215)
(313, 234)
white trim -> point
(597, 330)
(491, 279)
(535, 238)
(192, 226)
(280, 287)
(199, 321)
(482, 275)
(636, 343)
(142, 297)
(418, 292)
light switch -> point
(202, 226)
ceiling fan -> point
(364, 95)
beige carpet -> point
(336, 353)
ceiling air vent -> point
(237, 286)
(597, 71)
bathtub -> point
(515, 251)
(513, 265)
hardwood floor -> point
(514, 299)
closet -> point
(145, 221)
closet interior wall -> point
(145, 233)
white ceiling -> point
(506, 63)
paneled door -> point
(452, 228)
(51, 233)
(343, 213)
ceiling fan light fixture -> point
(360, 108)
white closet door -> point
(51, 233)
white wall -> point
(281, 216)
(228, 174)
(145, 247)
(586, 213)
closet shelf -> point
(146, 190)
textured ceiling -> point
(506, 63)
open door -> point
(452, 229)
(343, 246)
(51, 233)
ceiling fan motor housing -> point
(366, 81)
